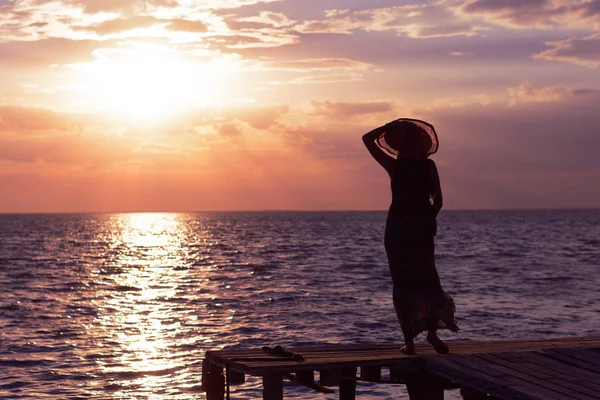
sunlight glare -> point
(151, 82)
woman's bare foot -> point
(437, 343)
(409, 348)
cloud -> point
(262, 20)
(540, 154)
(26, 121)
(99, 6)
(321, 79)
(416, 21)
(229, 130)
(46, 52)
(184, 25)
(342, 110)
(316, 63)
(581, 51)
(31, 20)
(316, 70)
(261, 118)
(183, 7)
(121, 24)
(543, 14)
(249, 39)
(526, 93)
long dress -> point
(419, 300)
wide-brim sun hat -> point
(396, 128)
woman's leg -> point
(408, 341)
(432, 337)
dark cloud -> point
(591, 8)
(538, 154)
(550, 137)
(502, 5)
(583, 51)
(536, 13)
(446, 29)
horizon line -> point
(292, 210)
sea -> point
(124, 306)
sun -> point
(150, 82)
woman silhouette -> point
(402, 147)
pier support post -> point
(213, 381)
(348, 384)
(330, 377)
(273, 387)
(370, 373)
(423, 386)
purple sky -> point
(177, 105)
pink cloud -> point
(25, 121)
(346, 110)
(527, 93)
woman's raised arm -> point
(385, 160)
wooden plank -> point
(558, 370)
(518, 371)
(585, 356)
(509, 370)
(387, 351)
(273, 387)
(571, 363)
(564, 387)
(348, 386)
(548, 362)
(262, 369)
(457, 346)
(508, 360)
(480, 381)
(516, 378)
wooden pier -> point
(567, 368)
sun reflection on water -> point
(138, 318)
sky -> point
(185, 105)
